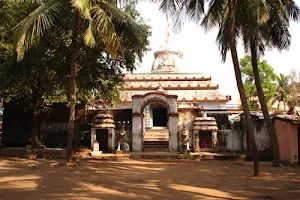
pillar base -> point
(187, 152)
(122, 152)
(96, 153)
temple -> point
(161, 109)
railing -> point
(232, 106)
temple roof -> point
(189, 87)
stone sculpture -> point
(185, 138)
(122, 143)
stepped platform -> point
(156, 140)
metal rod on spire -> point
(167, 40)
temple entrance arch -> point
(165, 111)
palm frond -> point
(25, 1)
(292, 9)
(120, 17)
(179, 16)
(104, 26)
(215, 15)
(169, 7)
(84, 7)
(195, 10)
(223, 39)
(262, 10)
(29, 31)
(89, 38)
(278, 34)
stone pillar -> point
(137, 132)
(93, 138)
(111, 140)
(214, 140)
(196, 141)
(173, 133)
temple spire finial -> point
(164, 59)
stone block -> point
(119, 152)
(96, 153)
(187, 152)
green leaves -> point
(268, 81)
(30, 30)
(105, 29)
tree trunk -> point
(263, 104)
(34, 140)
(73, 75)
(235, 60)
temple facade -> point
(165, 110)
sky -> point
(201, 53)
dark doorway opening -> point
(298, 145)
(205, 139)
(160, 117)
(102, 138)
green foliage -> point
(293, 92)
(34, 79)
(282, 87)
(45, 68)
(10, 14)
(268, 79)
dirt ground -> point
(144, 179)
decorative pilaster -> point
(196, 142)
(137, 132)
(93, 138)
(173, 138)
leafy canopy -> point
(267, 76)
(45, 68)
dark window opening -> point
(205, 139)
(102, 139)
(160, 117)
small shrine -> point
(103, 134)
(205, 133)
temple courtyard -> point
(91, 179)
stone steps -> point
(156, 135)
(155, 146)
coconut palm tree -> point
(266, 24)
(260, 24)
(100, 18)
(222, 14)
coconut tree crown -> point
(100, 17)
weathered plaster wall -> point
(173, 131)
(287, 134)
(230, 140)
(262, 137)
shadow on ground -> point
(144, 179)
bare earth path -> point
(144, 179)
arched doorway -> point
(156, 115)
(154, 118)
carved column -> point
(111, 140)
(196, 141)
(93, 138)
(173, 133)
(137, 132)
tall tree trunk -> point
(263, 104)
(239, 82)
(73, 75)
(34, 140)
